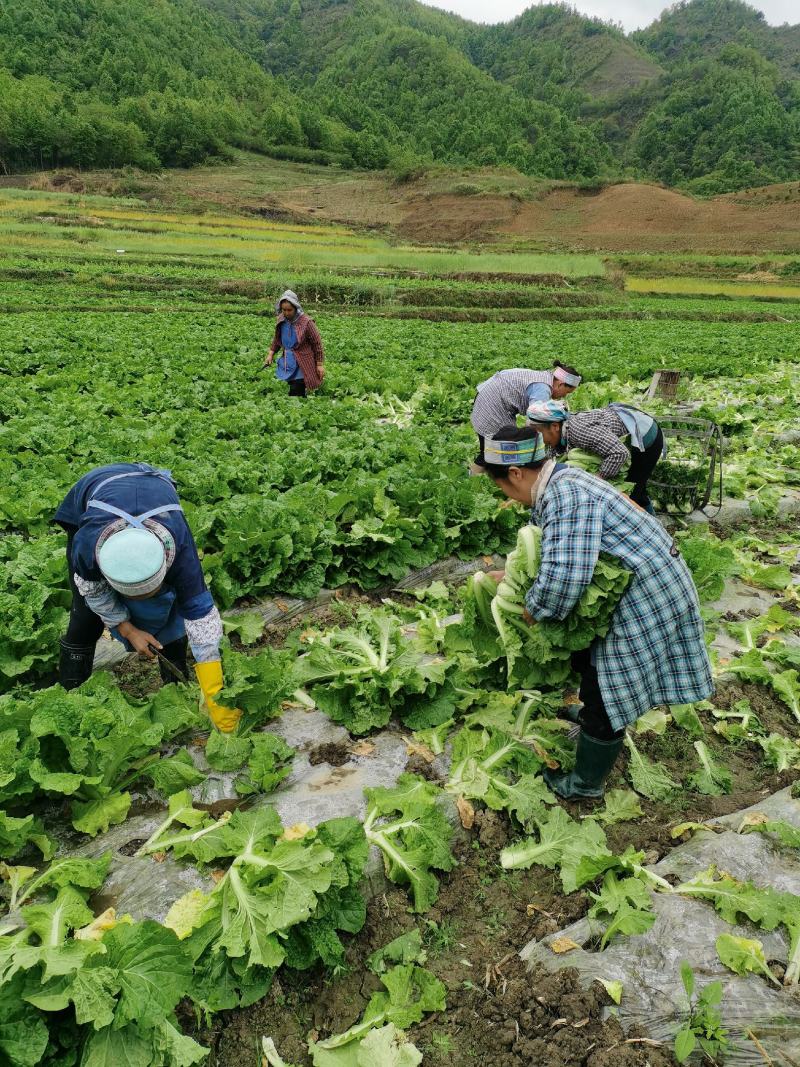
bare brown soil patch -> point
(648, 218)
(452, 206)
(454, 219)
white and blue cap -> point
(133, 559)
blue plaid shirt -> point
(654, 652)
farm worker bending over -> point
(600, 431)
(510, 392)
(302, 364)
(654, 652)
(133, 567)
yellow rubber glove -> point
(209, 675)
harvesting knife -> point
(173, 670)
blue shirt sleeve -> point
(538, 391)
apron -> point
(158, 614)
(636, 422)
(289, 369)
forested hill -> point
(708, 97)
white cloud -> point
(633, 14)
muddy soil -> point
(496, 1012)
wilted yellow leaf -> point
(415, 748)
(106, 920)
(755, 818)
(545, 756)
(364, 748)
(687, 827)
(296, 832)
(613, 988)
(563, 944)
(466, 813)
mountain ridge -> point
(706, 98)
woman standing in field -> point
(133, 567)
(601, 431)
(654, 652)
(510, 392)
(302, 364)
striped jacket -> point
(308, 351)
(504, 396)
(654, 652)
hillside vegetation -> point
(708, 97)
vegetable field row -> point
(272, 929)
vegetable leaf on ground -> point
(412, 832)
(647, 777)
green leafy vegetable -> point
(647, 777)
(562, 843)
(713, 778)
(780, 752)
(685, 715)
(621, 805)
(767, 908)
(249, 625)
(409, 993)
(269, 762)
(407, 948)
(710, 560)
(17, 834)
(626, 902)
(256, 684)
(787, 835)
(493, 767)
(543, 650)
(413, 834)
(744, 956)
(175, 773)
(370, 673)
(89, 744)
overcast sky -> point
(631, 13)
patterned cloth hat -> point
(135, 561)
(567, 377)
(514, 453)
(547, 411)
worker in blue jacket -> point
(133, 567)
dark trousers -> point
(641, 467)
(593, 717)
(297, 387)
(481, 440)
(85, 628)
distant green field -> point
(713, 287)
(56, 222)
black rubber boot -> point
(74, 664)
(570, 712)
(593, 763)
(175, 652)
